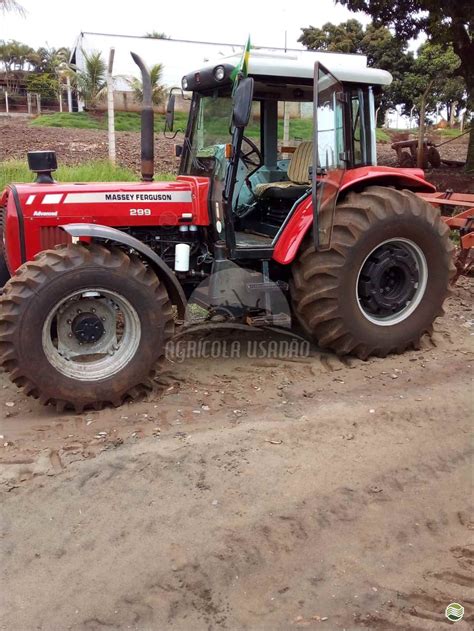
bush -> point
(45, 84)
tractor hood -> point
(36, 212)
(115, 203)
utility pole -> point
(110, 106)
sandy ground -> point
(256, 495)
(249, 495)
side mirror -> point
(169, 121)
(242, 103)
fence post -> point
(286, 123)
(69, 94)
(110, 106)
(6, 103)
(411, 116)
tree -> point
(426, 81)
(7, 6)
(45, 84)
(335, 38)
(453, 96)
(15, 58)
(49, 59)
(446, 22)
(382, 49)
(158, 91)
(157, 35)
(90, 82)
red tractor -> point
(100, 273)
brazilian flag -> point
(242, 68)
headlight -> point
(219, 73)
(184, 83)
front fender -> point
(163, 271)
(301, 221)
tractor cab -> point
(257, 139)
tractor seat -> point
(298, 176)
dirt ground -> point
(244, 495)
(249, 495)
(74, 146)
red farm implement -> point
(462, 221)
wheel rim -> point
(91, 334)
(391, 282)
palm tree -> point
(91, 82)
(48, 59)
(11, 5)
(158, 91)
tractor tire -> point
(381, 285)
(433, 157)
(406, 160)
(84, 327)
(4, 273)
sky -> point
(58, 22)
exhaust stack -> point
(147, 126)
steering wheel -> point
(252, 159)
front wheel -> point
(83, 326)
(384, 280)
(4, 273)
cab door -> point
(329, 152)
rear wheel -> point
(83, 326)
(384, 280)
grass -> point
(124, 121)
(446, 133)
(130, 121)
(300, 128)
(382, 135)
(443, 133)
(94, 171)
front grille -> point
(52, 236)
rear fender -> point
(301, 221)
(162, 270)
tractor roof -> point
(296, 65)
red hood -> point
(113, 203)
(36, 212)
